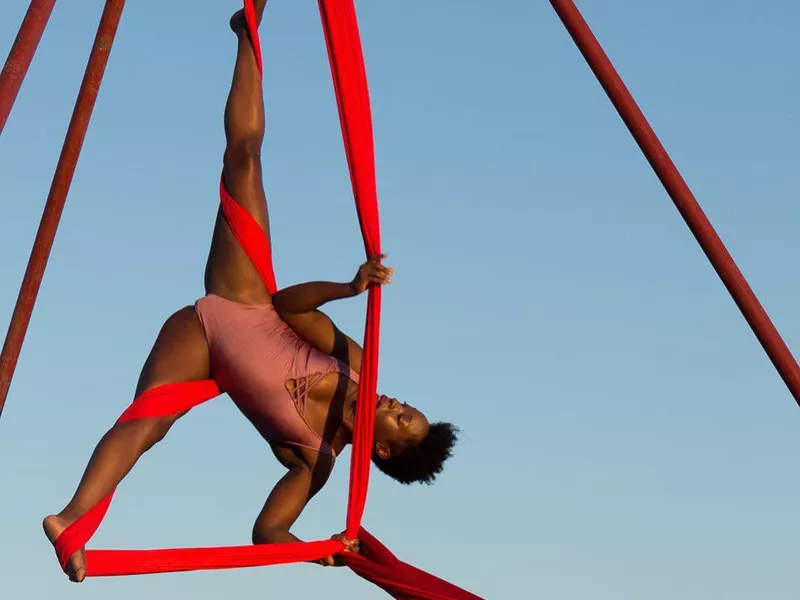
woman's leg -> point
(180, 354)
(229, 271)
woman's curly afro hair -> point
(424, 461)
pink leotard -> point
(254, 356)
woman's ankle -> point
(71, 514)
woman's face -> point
(397, 426)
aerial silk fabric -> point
(374, 562)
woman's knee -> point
(243, 154)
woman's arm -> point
(297, 306)
(307, 472)
(307, 297)
(284, 505)
(318, 329)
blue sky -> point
(624, 434)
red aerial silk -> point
(374, 563)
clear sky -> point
(624, 435)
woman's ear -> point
(382, 450)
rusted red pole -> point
(681, 195)
(21, 55)
(58, 193)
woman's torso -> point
(281, 383)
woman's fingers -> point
(376, 261)
(373, 273)
(349, 546)
(380, 270)
(377, 267)
(379, 276)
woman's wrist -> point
(352, 288)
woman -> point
(283, 362)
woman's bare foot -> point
(76, 567)
(237, 20)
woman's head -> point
(407, 447)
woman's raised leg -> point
(229, 271)
(180, 354)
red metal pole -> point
(681, 195)
(58, 193)
(21, 55)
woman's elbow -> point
(265, 535)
